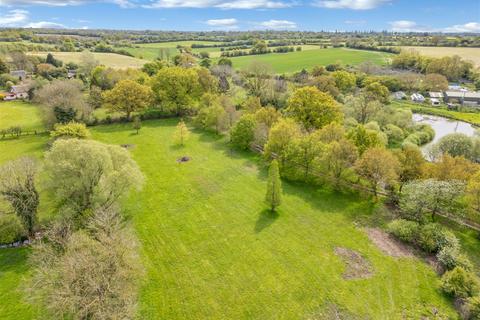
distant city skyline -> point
(208, 15)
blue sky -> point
(186, 15)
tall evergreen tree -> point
(274, 186)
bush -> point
(70, 130)
(460, 283)
(473, 307)
(243, 132)
(11, 230)
(450, 258)
(404, 230)
(432, 238)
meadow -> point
(20, 114)
(296, 61)
(212, 251)
(113, 60)
(472, 54)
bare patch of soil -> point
(183, 159)
(388, 244)
(357, 267)
(127, 146)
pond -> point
(443, 126)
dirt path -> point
(387, 244)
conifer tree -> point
(274, 186)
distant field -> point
(296, 61)
(150, 51)
(21, 114)
(113, 60)
(472, 54)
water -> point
(443, 126)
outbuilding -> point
(463, 98)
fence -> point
(8, 135)
(356, 186)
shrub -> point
(450, 257)
(473, 307)
(460, 283)
(243, 132)
(404, 230)
(11, 230)
(70, 130)
(431, 237)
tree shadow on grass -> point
(265, 219)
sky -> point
(207, 15)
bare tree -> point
(87, 274)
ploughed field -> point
(211, 250)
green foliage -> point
(312, 108)
(431, 237)
(70, 130)
(422, 197)
(273, 197)
(344, 80)
(11, 230)
(456, 144)
(404, 230)
(450, 257)
(86, 175)
(137, 124)
(177, 89)
(460, 283)
(242, 133)
(473, 307)
(365, 138)
(377, 91)
(128, 96)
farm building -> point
(435, 95)
(463, 98)
(417, 97)
(17, 92)
(20, 74)
(435, 101)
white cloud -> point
(350, 4)
(222, 22)
(355, 21)
(403, 26)
(13, 18)
(44, 24)
(278, 24)
(412, 26)
(467, 27)
(222, 4)
(62, 3)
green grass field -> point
(213, 251)
(113, 60)
(296, 61)
(19, 113)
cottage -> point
(17, 92)
(463, 98)
(20, 74)
(417, 97)
(71, 74)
